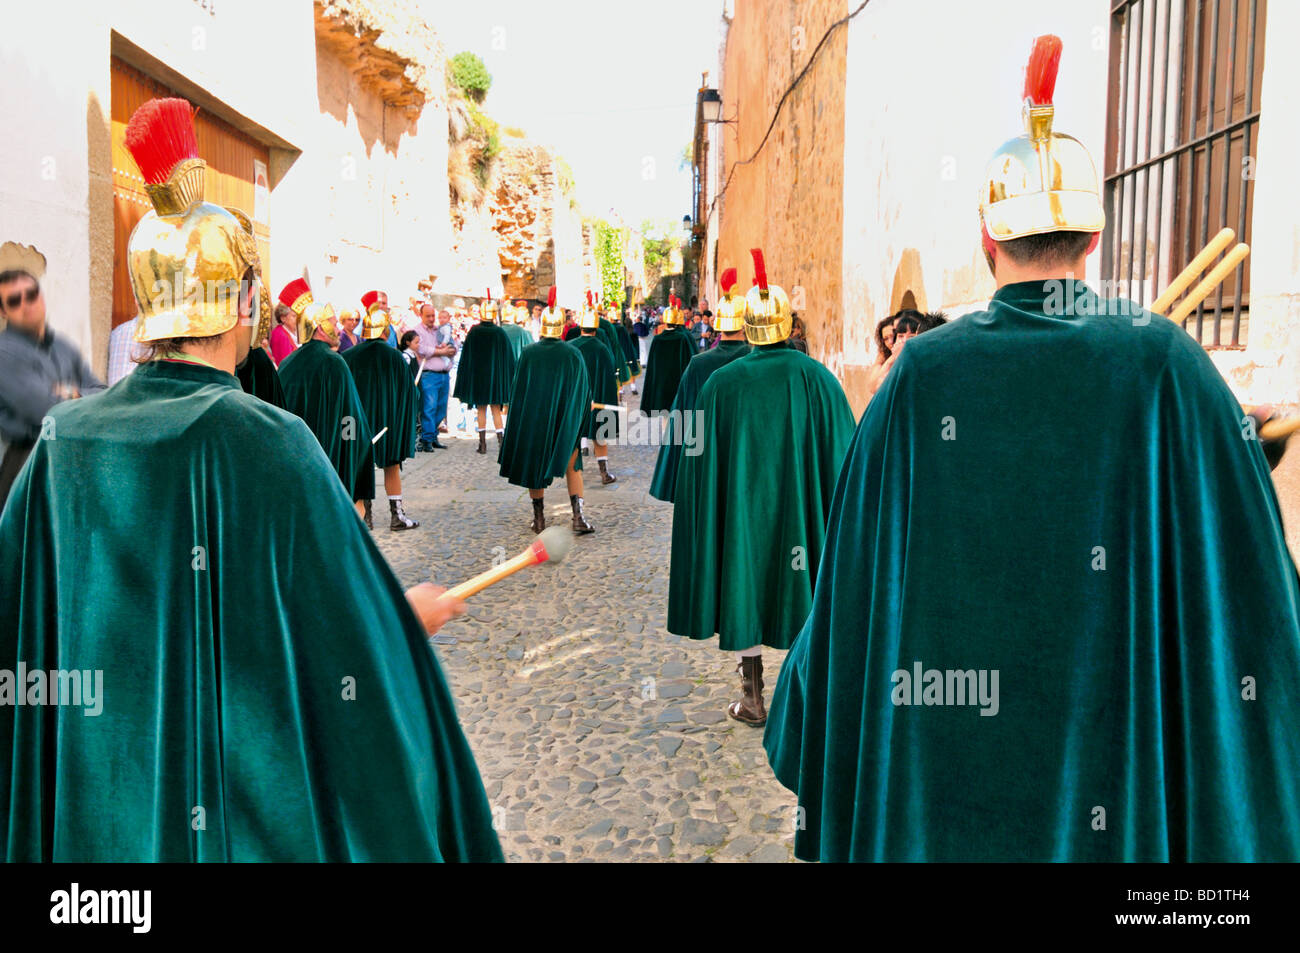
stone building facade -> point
(327, 121)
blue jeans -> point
(434, 389)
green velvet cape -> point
(602, 384)
(1064, 497)
(629, 348)
(185, 539)
(751, 508)
(670, 352)
(318, 387)
(389, 396)
(258, 376)
(664, 481)
(519, 338)
(548, 407)
(487, 367)
(609, 336)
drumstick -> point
(553, 544)
(1279, 428)
(596, 406)
(1211, 281)
(1202, 261)
(378, 435)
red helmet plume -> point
(1040, 74)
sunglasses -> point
(14, 300)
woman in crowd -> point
(284, 336)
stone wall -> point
(788, 200)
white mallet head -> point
(553, 544)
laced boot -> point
(580, 524)
(539, 515)
(370, 516)
(399, 519)
(750, 709)
(482, 441)
(605, 477)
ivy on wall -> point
(609, 263)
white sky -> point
(609, 84)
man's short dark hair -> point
(1049, 250)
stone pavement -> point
(599, 735)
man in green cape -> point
(750, 509)
(609, 337)
(629, 352)
(1056, 618)
(486, 371)
(512, 324)
(319, 388)
(670, 352)
(390, 400)
(174, 544)
(258, 376)
(601, 424)
(550, 402)
(683, 418)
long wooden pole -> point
(1202, 261)
(1211, 281)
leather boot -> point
(605, 478)
(370, 516)
(580, 524)
(500, 437)
(539, 515)
(399, 518)
(750, 708)
(482, 441)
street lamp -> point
(686, 223)
(711, 106)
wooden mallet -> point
(552, 545)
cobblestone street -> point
(599, 735)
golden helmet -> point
(488, 310)
(187, 258)
(730, 315)
(673, 313)
(768, 315)
(1043, 181)
(259, 316)
(589, 317)
(375, 318)
(552, 318)
(522, 314)
(312, 316)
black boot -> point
(539, 515)
(399, 518)
(605, 478)
(370, 516)
(750, 708)
(482, 441)
(580, 524)
(500, 437)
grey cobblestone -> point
(570, 690)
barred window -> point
(1183, 119)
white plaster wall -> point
(1268, 371)
(44, 168)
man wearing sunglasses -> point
(38, 369)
